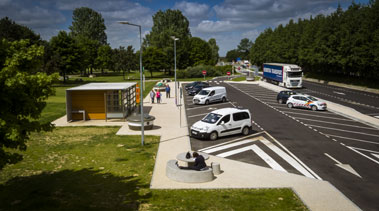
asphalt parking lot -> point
(312, 143)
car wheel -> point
(206, 102)
(213, 136)
(280, 101)
(314, 108)
(223, 99)
(245, 131)
(290, 105)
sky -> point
(228, 21)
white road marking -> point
(313, 120)
(350, 120)
(343, 130)
(228, 146)
(271, 162)
(375, 155)
(205, 106)
(354, 149)
(339, 93)
(287, 158)
(197, 115)
(353, 139)
(345, 167)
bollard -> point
(216, 168)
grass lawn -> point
(90, 168)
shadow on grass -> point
(72, 190)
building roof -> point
(103, 86)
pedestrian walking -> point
(158, 96)
(168, 89)
(152, 96)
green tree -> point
(104, 57)
(12, 31)
(199, 52)
(67, 53)
(22, 97)
(165, 25)
(88, 23)
(214, 48)
(88, 47)
(232, 55)
(244, 48)
(154, 59)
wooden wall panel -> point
(90, 101)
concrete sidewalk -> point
(316, 194)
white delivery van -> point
(210, 94)
(222, 122)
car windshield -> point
(294, 74)
(312, 98)
(204, 92)
(211, 118)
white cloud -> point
(193, 11)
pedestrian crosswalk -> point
(261, 148)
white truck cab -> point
(210, 94)
(222, 122)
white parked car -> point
(222, 122)
(305, 101)
(210, 95)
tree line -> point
(344, 43)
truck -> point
(286, 75)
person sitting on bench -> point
(199, 162)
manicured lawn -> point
(81, 168)
(90, 168)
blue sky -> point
(228, 21)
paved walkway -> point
(170, 124)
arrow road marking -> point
(340, 93)
(271, 162)
(346, 167)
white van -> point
(222, 122)
(210, 94)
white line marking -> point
(343, 130)
(352, 148)
(228, 146)
(320, 116)
(205, 106)
(354, 139)
(232, 141)
(375, 155)
(339, 93)
(313, 120)
(287, 158)
(197, 115)
(271, 162)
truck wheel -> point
(223, 99)
(206, 102)
(314, 108)
(245, 131)
(280, 101)
(213, 136)
(289, 105)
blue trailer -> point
(286, 75)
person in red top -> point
(158, 94)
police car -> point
(305, 101)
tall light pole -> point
(141, 84)
(175, 39)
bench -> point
(80, 112)
(186, 175)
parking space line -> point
(353, 139)
(205, 106)
(350, 120)
(313, 120)
(197, 115)
(349, 131)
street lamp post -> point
(141, 84)
(175, 39)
